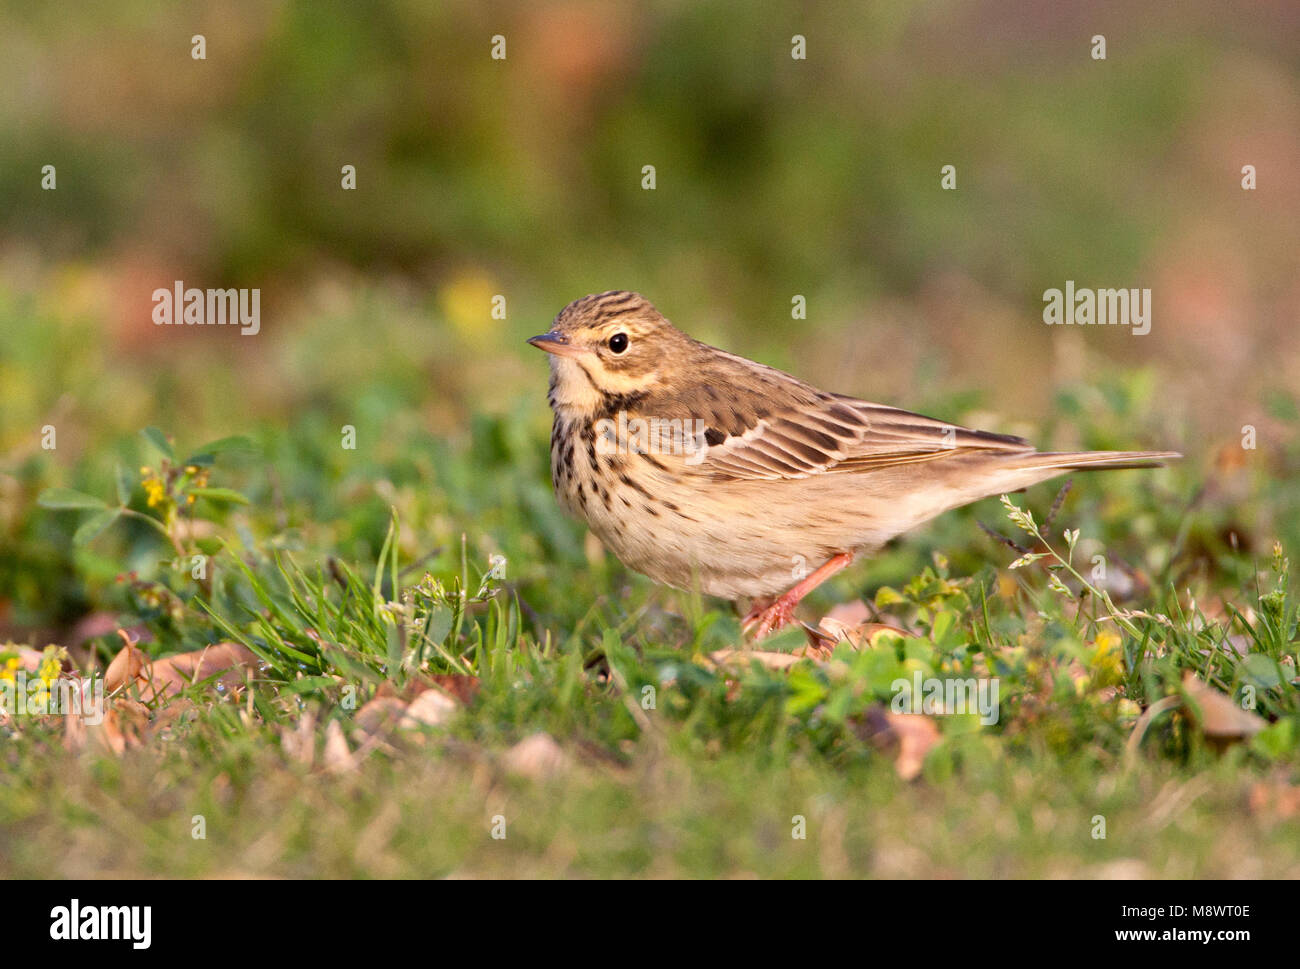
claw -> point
(766, 618)
(762, 622)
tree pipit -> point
(694, 465)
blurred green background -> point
(523, 177)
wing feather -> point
(774, 426)
(832, 434)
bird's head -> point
(606, 346)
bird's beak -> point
(556, 344)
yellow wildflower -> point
(1107, 660)
(156, 491)
(51, 664)
(10, 667)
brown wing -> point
(833, 434)
(760, 423)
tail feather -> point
(1099, 460)
(989, 473)
(1015, 472)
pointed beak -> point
(556, 344)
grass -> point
(433, 557)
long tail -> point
(996, 472)
(1089, 460)
(1014, 471)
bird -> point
(705, 470)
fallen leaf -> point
(1279, 800)
(125, 724)
(857, 634)
(380, 713)
(463, 688)
(916, 734)
(906, 737)
(431, 701)
(1219, 718)
(536, 757)
(337, 756)
(432, 708)
(227, 661)
(74, 733)
(124, 668)
(815, 650)
(299, 742)
(172, 674)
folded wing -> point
(833, 434)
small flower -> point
(156, 491)
(1107, 659)
(10, 667)
(51, 664)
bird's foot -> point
(764, 619)
(768, 616)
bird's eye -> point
(618, 342)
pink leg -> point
(764, 619)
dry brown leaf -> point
(125, 668)
(74, 733)
(431, 701)
(906, 737)
(337, 756)
(125, 724)
(734, 659)
(432, 708)
(856, 634)
(380, 713)
(1275, 800)
(127, 721)
(299, 742)
(536, 757)
(1218, 716)
(171, 674)
(463, 688)
(916, 734)
(817, 651)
